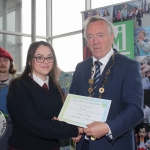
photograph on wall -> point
(142, 136)
(137, 11)
(89, 14)
(125, 11)
(105, 12)
(142, 130)
(142, 42)
(144, 62)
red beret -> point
(5, 53)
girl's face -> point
(142, 132)
(42, 62)
(141, 36)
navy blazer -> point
(124, 88)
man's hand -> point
(96, 129)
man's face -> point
(99, 39)
(4, 65)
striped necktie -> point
(96, 76)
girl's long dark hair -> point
(29, 66)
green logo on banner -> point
(119, 39)
(124, 38)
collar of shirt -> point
(40, 81)
(104, 60)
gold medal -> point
(104, 81)
(91, 81)
(93, 138)
(90, 90)
(101, 90)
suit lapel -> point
(87, 75)
(104, 74)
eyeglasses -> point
(41, 59)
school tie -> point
(45, 86)
(96, 76)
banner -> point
(131, 22)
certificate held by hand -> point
(82, 110)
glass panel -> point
(26, 16)
(14, 46)
(26, 41)
(41, 17)
(68, 51)
(67, 16)
(37, 39)
(10, 15)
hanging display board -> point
(131, 21)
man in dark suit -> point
(120, 81)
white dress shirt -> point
(104, 62)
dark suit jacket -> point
(124, 88)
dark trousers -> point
(85, 145)
(139, 22)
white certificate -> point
(82, 110)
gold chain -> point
(91, 81)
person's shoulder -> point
(86, 61)
(125, 58)
(18, 82)
(122, 59)
(84, 64)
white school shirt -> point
(40, 81)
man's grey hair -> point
(94, 19)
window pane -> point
(67, 15)
(10, 15)
(98, 3)
(41, 17)
(26, 16)
(37, 39)
(26, 41)
(14, 46)
(68, 51)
